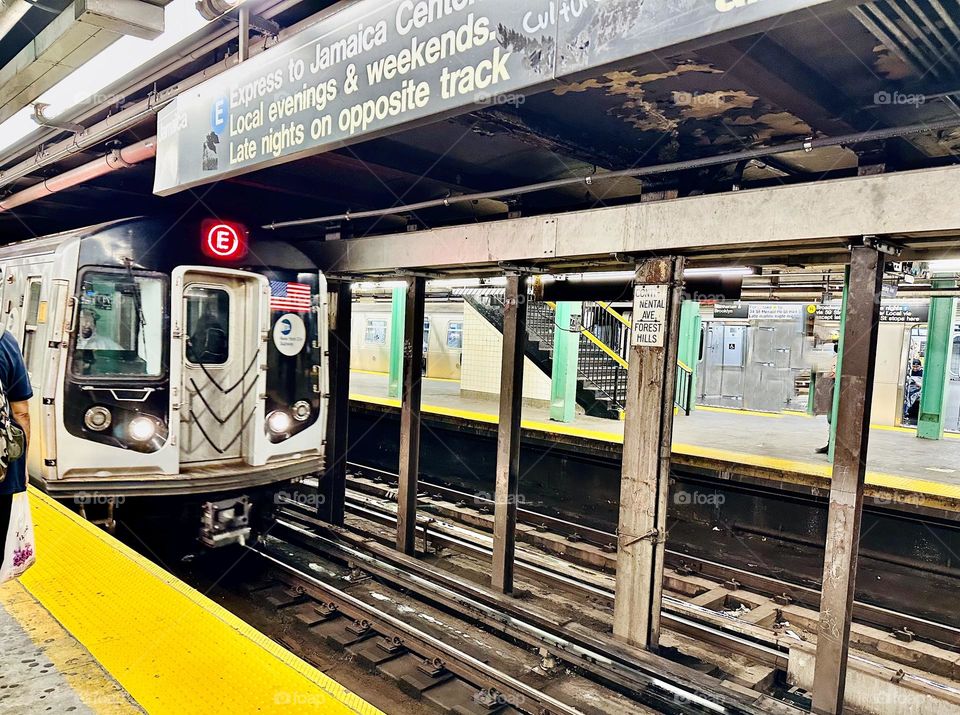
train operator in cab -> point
(88, 338)
(16, 383)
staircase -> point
(601, 371)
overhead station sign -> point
(374, 67)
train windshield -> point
(121, 323)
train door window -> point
(207, 313)
(375, 332)
(121, 326)
(426, 335)
(31, 318)
(455, 335)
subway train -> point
(442, 337)
(172, 363)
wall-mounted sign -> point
(375, 66)
(759, 311)
(649, 315)
(890, 312)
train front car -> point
(188, 374)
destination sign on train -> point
(373, 67)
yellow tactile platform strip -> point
(171, 648)
(91, 684)
(878, 479)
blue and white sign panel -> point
(373, 67)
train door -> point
(722, 366)
(913, 375)
(222, 349)
(768, 382)
(953, 391)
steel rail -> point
(455, 660)
(941, 634)
(759, 650)
(805, 145)
(517, 621)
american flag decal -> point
(289, 297)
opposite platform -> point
(110, 632)
(781, 444)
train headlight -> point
(279, 422)
(142, 429)
(97, 418)
(301, 410)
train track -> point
(605, 660)
(939, 634)
(670, 689)
(387, 637)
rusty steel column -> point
(333, 488)
(508, 432)
(647, 441)
(846, 486)
(410, 415)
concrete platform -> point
(94, 627)
(785, 441)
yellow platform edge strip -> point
(170, 647)
(878, 479)
(86, 678)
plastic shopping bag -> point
(20, 550)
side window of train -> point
(121, 325)
(208, 325)
(426, 335)
(375, 332)
(455, 335)
(32, 318)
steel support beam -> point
(859, 357)
(410, 415)
(398, 307)
(334, 485)
(647, 438)
(566, 355)
(936, 368)
(779, 217)
(508, 432)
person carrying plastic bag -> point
(19, 550)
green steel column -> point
(936, 378)
(566, 354)
(836, 391)
(397, 316)
(688, 349)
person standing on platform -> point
(16, 384)
(823, 398)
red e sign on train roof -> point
(223, 240)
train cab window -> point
(208, 325)
(120, 328)
(375, 332)
(455, 335)
(31, 317)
